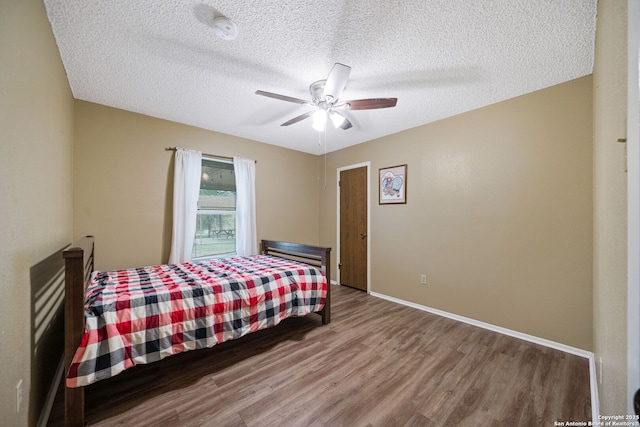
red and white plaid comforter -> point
(142, 315)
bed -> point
(117, 319)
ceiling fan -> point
(325, 96)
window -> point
(216, 219)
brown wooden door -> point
(353, 228)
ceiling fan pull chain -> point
(325, 157)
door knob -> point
(363, 235)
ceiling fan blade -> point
(370, 104)
(281, 97)
(336, 81)
(298, 118)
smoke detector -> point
(225, 28)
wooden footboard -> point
(313, 255)
(79, 265)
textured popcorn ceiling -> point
(438, 57)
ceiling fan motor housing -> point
(316, 89)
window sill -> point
(210, 257)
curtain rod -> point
(215, 156)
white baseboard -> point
(526, 337)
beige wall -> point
(499, 214)
(123, 184)
(610, 233)
(36, 139)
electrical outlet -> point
(423, 279)
(19, 396)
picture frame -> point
(392, 185)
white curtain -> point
(246, 234)
(186, 189)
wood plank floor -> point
(377, 364)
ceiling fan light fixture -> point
(337, 119)
(319, 120)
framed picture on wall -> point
(393, 185)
